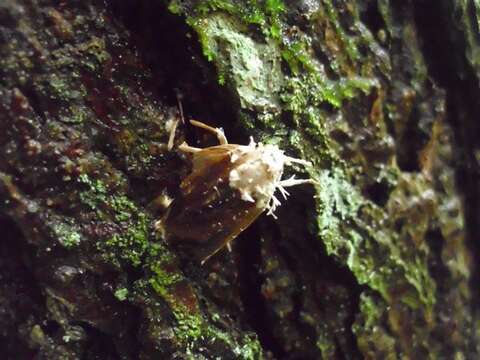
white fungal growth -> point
(257, 173)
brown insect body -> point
(228, 188)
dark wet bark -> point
(376, 261)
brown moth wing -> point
(206, 164)
(208, 212)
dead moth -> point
(228, 188)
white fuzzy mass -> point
(258, 173)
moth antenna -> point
(172, 125)
(180, 107)
(218, 133)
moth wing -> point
(230, 231)
(209, 166)
(208, 212)
(201, 194)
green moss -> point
(372, 255)
(325, 344)
(249, 11)
(191, 328)
(319, 147)
(66, 235)
(311, 89)
(296, 56)
(347, 42)
(131, 241)
(59, 87)
(264, 14)
(77, 114)
(175, 7)
(130, 245)
(274, 7)
(161, 280)
(337, 202)
(367, 329)
(95, 52)
(37, 336)
(190, 325)
(205, 16)
(121, 294)
(250, 350)
(205, 7)
(253, 68)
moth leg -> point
(218, 133)
(159, 227)
(161, 202)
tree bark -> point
(377, 260)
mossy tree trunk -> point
(377, 261)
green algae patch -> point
(375, 256)
(372, 338)
(130, 245)
(338, 201)
(130, 240)
(163, 274)
(95, 52)
(66, 234)
(191, 327)
(253, 68)
(250, 349)
(249, 67)
(314, 89)
(121, 294)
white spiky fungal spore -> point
(257, 171)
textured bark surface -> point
(377, 261)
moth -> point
(229, 186)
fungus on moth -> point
(228, 188)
